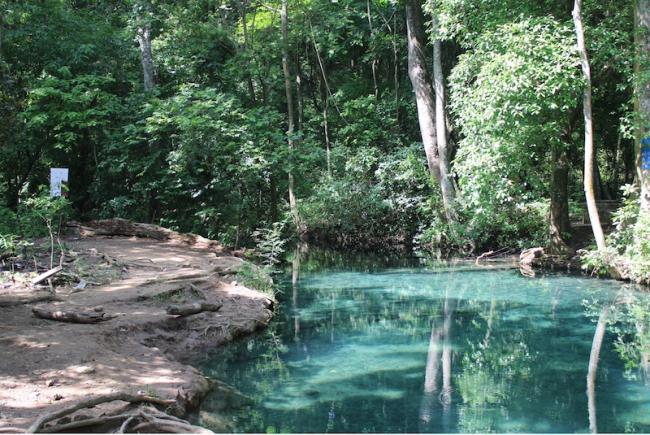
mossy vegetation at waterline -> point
(455, 125)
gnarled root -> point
(125, 397)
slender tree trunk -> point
(284, 18)
(299, 97)
(396, 70)
(2, 23)
(589, 133)
(559, 213)
(642, 24)
(446, 184)
(424, 99)
(249, 78)
(274, 198)
(374, 59)
(593, 368)
(144, 41)
(328, 145)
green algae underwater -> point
(377, 345)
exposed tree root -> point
(124, 397)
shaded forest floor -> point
(48, 364)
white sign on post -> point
(58, 176)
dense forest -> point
(458, 125)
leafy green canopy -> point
(513, 95)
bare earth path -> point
(45, 365)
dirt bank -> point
(47, 364)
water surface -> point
(365, 346)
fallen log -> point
(72, 316)
(45, 275)
(126, 228)
(124, 397)
(195, 308)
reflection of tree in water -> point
(408, 350)
(438, 354)
(631, 325)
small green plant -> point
(39, 215)
(270, 243)
(595, 262)
(257, 278)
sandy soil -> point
(45, 365)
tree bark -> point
(559, 213)
(589, 134)
(424, 99)
(284, 18)
(447, 186)
(642, 24)
(146, 56)
(375, 62)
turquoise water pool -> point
(370, 347)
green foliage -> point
(257, 278)
(511, 94)
(270, 243)
(206, 151)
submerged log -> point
(188, 309)
(72, 316)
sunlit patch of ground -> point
(46, 364)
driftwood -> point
(123, 227)
(45, 275)
(72, 316)
(124, 397)
(188, 309)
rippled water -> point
(363, 347)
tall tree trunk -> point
(559, 213)
(642, 24)
(446, 184)
(243, 4)
(424, 98)
(284, 18)
(396, 69)
(593, 368)
(299, 96)
(144, 41)
(328, 145)
(375, 62)
(589, 133)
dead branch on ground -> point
(188, 309)
(72, 316)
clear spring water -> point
(363, 347)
